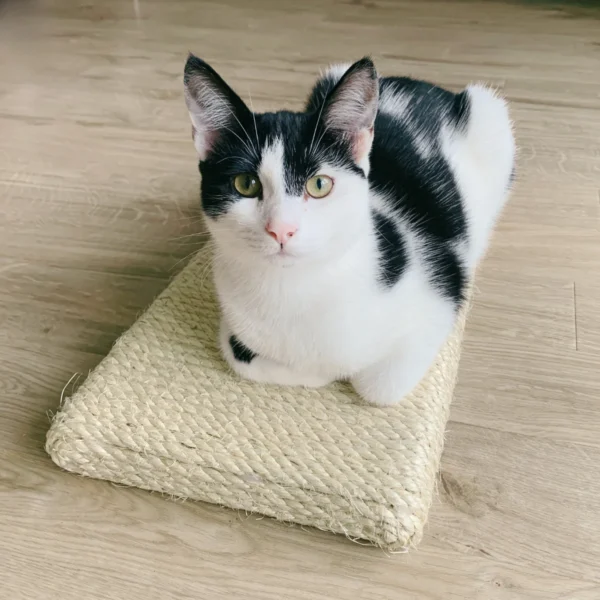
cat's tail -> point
(480, 147)
(489, 133)
(326, 82)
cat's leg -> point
(390, 380)
(249, 365)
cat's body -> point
(365, 282)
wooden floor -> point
(98, 210)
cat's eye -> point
(247, 184)
(319, 186)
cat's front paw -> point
(380, 393)
(388, 382)
(250, 365)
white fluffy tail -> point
(482, 158)
(489, 134)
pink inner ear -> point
(203, 141)
(362, 144)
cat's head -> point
(285, 187)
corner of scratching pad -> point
(162, 412)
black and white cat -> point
(345, 235)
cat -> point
(345, 235)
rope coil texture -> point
(163, 413)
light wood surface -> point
(99, 208)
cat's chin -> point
(283, 259)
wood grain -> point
(99, 209)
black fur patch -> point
(241, 352)
(306, 145)
(392, 250)
(461, 111)
(420, 185)
(422, 190)
(446, 273)
(318, 94)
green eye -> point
(319, 186)
(247, 184)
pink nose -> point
(281, 232)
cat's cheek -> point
(246, 213)
(317, 236)
(239, 227)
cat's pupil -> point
(319, 183)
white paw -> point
(381, 391)
(391, 380)
(267, 371)
(249, 365)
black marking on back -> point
(421, 189)
(241, 352)
(392, 250)
(446, 273)
(420, 186)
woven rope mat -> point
(162, 413)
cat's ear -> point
(212, 104)
(351, 107)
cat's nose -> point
(281, 232)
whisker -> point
(231, 157)
(250, 150)
(254, 119)
(190, 235)
(183, 259)
(244, 130)
(316, 127)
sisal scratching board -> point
(162, 413)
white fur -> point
(315, 312)
(393, 104)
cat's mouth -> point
(280, 251)
(282, 257)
